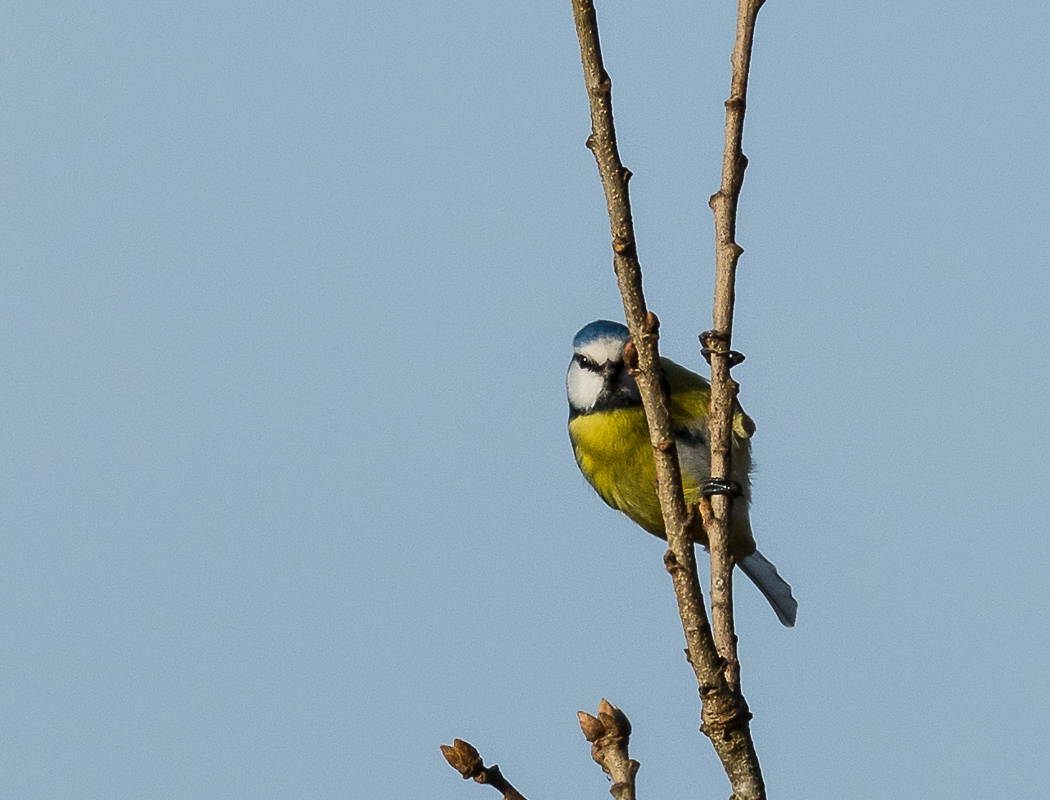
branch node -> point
(671, 562)
(722, 723)
(652, 325)
(630, 357)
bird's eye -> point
(586, 363)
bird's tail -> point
(775, 589)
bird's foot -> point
(712, 486)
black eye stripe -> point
(586, 363)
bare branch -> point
(723, 388)
(465, 759)
(725, 714)
(609, 734)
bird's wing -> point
(691, 395)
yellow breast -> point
(614, 454)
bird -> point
(610, 439)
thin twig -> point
(725, 714)
(465, 759)
(723, 389)
(609, 734)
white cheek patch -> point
(583, 387)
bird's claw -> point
(712, 486)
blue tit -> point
(610, 437)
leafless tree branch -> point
(723, 388)
(725, 714)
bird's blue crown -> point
(600, 329)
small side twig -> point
(723, 389)
(609, 734)
(465, 759)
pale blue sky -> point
(287, 292)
